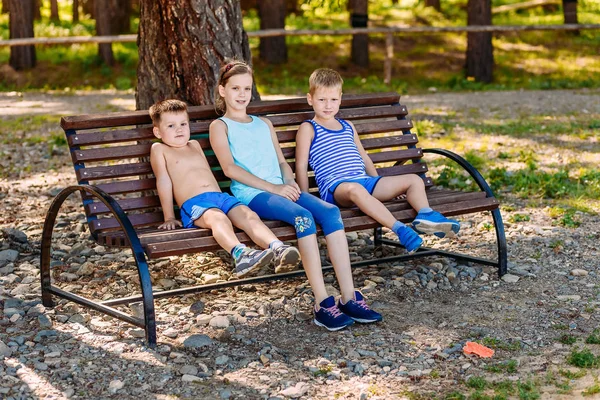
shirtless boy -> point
(183, 175)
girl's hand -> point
(291, 192)
(170, 224)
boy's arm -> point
(369, 166)
(164, 186)
(220, 145)
(304, 138)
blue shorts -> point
(368, 183)
(193, 208)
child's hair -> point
(324, 77)
(232, 68)
(164, 106)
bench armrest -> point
(475, 174)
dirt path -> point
(270, 348)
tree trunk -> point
(103, 28)
(54, 10)
(5, 6)
(37, 14)
(480, 53)
(182, 46)
(75, 11)
(359, 18)
(570, 13)
(88, 7)
(434, 3)
(273, 50)
(21, 26)
(120, 11)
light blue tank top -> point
(252, 149)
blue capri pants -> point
(301, 214)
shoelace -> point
(333, 310)
(362, 304)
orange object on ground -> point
(478, 349)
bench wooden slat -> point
(114, 171)
(435, 196)
(347, 114)
(186, 246)
(111, 153)
(94, 121)
(137, 203)
(285, 136)
(136, 185)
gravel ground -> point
(259, 342)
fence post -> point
(389, 56)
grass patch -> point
(509, 366)
(567, 339)
(528, 390)
(519, 218)
(572, 374)
(583, 359)
(496, 343)
(477, 382)
(592, 390)
(594, 337)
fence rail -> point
(389, 32)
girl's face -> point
(237, 92)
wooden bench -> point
(110, 155)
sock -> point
(275, 244)
(397, 226)
(426, 210)
(237, 250)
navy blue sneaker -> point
(330, 317)
(435, 223)
(358, 310)
(409, 238)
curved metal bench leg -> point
(483, 185)
(501, 241)
(132, 238)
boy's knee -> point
(249, 214)
(217, 217)
(355, 190)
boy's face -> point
(325, 101)
(173, 129)
(237, 92)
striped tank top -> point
(333, 156)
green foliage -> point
(496, 343)
(572, 375)
(509, 366)
(594, 337)
(583, 359)
(519, 218)
(477, 382)
(527, 391)
(531, 182)
(531, 60)
(567, 339)
(455, 395)
(592, 390)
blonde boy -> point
(346, 175)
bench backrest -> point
(112, 150)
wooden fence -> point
(389, 33)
